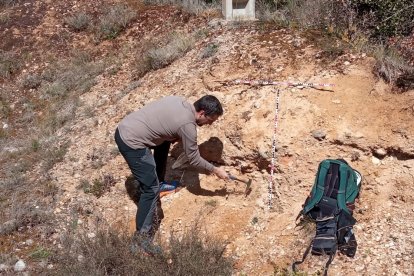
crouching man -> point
(156, 126)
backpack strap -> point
(303, 257)
(319, 189)
(328, 263)
(345, 174)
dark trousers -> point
(148, 170)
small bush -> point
(40, 253)
(5, 109)
(4, 17)
(99, 186)
(114, 21)
(392, 67)
(210, 50)
(30, 81)
(78, 22)
(5, 3)
(386, 17)
(176, 48)
(52, 156)
(108, 253)
(9, 64)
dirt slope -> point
(360, 119)
(363, 122)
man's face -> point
(203, 119)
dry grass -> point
(108, 253)
(79, 21)
(393, 68)
(151, 56)
(9, 64)
(114, 21)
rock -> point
(319, 134)
(380, 152)
(3, 267)
(375, 161)
(19, 266)
(359, 268)
(81, 258)
(8, 227)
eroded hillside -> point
(358, 119)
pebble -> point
(3, 267)
(319, 134)
(380, 152)
(19, 266)
(359, 268)
(375, 161)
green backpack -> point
(330, 205)
(335, 179)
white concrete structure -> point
(238, 9)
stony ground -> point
(358, 119)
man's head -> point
(208, 109)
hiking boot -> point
(144, 245)
(169, 186)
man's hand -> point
(220, 172)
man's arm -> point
(188, 135)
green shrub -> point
(386, 17)
(114, 21)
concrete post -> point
(238, 9)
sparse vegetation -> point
(98, 187)
(30, 81)
(210, 50)
(211, 202)
(4, 17)
(5, 3)
(177, 46)
(75, 77)
(108, 253)
(392, 67)
(114, 21)
(40, 253)
(153, 57)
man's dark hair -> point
(210, 104)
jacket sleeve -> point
(188, 135)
